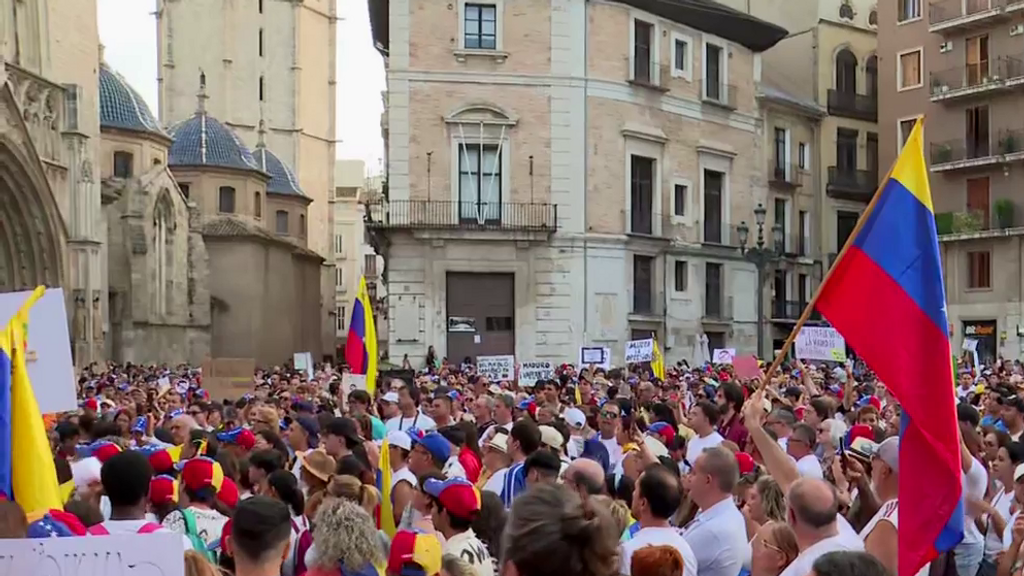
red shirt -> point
(735, 431)
(470, 463)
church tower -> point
(262, 59)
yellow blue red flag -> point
(387, 513)
(361, 344)
(658, 362)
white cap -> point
(1018, 473)
(498, 441)
(655, 447)
(574, 417)
(390, 397)
(85, 472)
(399, 438)
(551, 437)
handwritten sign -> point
(639, 351)
(530, 372)
(158, 554)
(352, 382)
(819, 343)
(970, 344)
(496, 368)
(599, 356)
(723, 355)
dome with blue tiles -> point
(122, 107)
(282, 179)
(203, 141)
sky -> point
(128, 33)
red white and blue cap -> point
(458, 496)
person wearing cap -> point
(414, 553)
(454, 505)
(359, 402)
(303, 435)
(201, 480)
(315, 470)
(552, 440)
(496, 462)
(340, 437)
(430, 452)
(576, 420)
(403, 481)
(880, 533)
(409, 414)
(718, 534)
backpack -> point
(302, 545)
(198, 544)
(100, 530)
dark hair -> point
(85, 424)
(260, 527)
(359, 397)
(847, 563)
(489, 524)
(1016, 452)
(197, 436)
(661, 490)
(104, 429)
(67, 430)
(527, 434)
(472, 440)
(620, 488)
(88, 513)
(822, 407)
(243, 473)
(268, 460)
(806, 433)
(663, 413)
(733, 394)
(546, 463)
(967, 413)
(274, 439)
(351, 466)
(125, 477)
(286, 486)
(229, 463)
(710, 411)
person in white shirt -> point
(718, 534)
(454, 505)
(879, 534)
(403, 481)
(608, 424)
(656, 497)
(969, 553)
(781, 422)
(409, 414)
(703, 418)
(800, 448)
(997, 513)
(813, 515)
(496, 463)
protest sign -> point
(496, 368)
(639, 351)
(970, 344)
(50, 368)
(156, 554)
(820, 343)
(530, 372)
(352, 382)
(599, 356)
(723, 355)
(746, 366)
(304, 361)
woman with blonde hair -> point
(351, 489)
(765, 503)
(617, 508)
(196, 565)
(657, 561)
(773, 549)
(345, 541)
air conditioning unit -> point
(945, 47)
(1017, 30)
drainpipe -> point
(586, 169)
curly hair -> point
(657, 561)
(344, 533)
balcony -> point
(718, 94)
(847, 184)
(963, 15)
(718, 234)
(785, 176)
(852, 105)
(953, 226)
(652, 76)
(1002, 74)
(790, 311)
(795, 245)
(962, 153)
(449, 215)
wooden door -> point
(978, 199)
(977, 60)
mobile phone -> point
(842, 453)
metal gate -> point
(481, 315)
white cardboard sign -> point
(157, 554)
(639, 351)
(496, 368)
(820, 343)
(49, 348)
(599, 356)
(352, 382)
(723, 355)
(970, 344)
(530, 372)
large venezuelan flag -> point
(885, 296)
(387, 512)
(361, 344)
(27, 472)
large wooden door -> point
(978, 198)
(977, 60)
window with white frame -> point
(480, 26)
(339, 277)
(805, 156)
(909, 69)
(682, 276)
(480, 183)
(680, 195)
(644, 53)
(907, 10)
(340, 321)
(716, 77)
(339, 244)
(681, 56)
(905, 126)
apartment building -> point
(960, 63)
(569, 172)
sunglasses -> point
(609, 415)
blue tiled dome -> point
(122, 107)
(203, 141)
(282, 179)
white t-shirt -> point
(403, 474)
(614, 450)
(453, 468)
(697, 444)
(115, 527)
(1008, 532)
(809, 467)
(402, 423)
(993, 541)
(469, 548)
(803, 563)
(888, 512)
(658, 536)
(496, 482)
(975, 481)
(209, 523)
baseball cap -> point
(888, 451)
(391, 397)
(414, 554)
(549, 436)
(242, 437)
(162, 461)
(139, 425)
(575, 418)
(228, 493)
(103, 451)
(399, 439)
(458, 496)
(433, 443)
(163, 490)
(664, 431)
(202, 472)
(1018, 473)
(745, 462)
(311, 427)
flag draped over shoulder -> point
(387, 514)
(885, 296)
(361, 344)
(658, 362)
(27, 472)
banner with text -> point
(157, 554)
(639, 351)
(530, 372)
(496, 368)
(820, 343)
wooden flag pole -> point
(806, 314)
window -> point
(480, 182)
(681, 57)
(805, 156)
(906, 126)
(498, 323)
(845, 223)
(643, 52)
(257, 205)
(261, 89)
(803, 289)
(185, 189)
(643, 284)
(281, 222)
(641, 195)
(871, 154)
(846, 150)
(780, 153)
(339, 277)
(370, 264)
(977, 60)
(976, 128)
(340, 321)
(681, 276)
(978, 199)
(302, 225)
(846, 72)
(714, 72)
(261, 42)
(123, 164)
(803, 233)
(781, 210)
(713, 188)
(261, 6)
(226, 200)
(908, 73)
(780, 282)
(339, 244)
(713, 290)
(72, 92)
(979, 270)
(871, 76)
(480, 31)
(908, 10)
(679, 194)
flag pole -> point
(806, 314)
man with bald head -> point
(585, 477)
(813, 515)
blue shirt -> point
(514, 484)
(989, 420)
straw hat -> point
(318, 463)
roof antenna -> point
(201, 96)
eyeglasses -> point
(609, 415)
(769, 545)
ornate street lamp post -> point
(762, 257)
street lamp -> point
(762, 257)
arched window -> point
(226, 200)
(257, 201)
(871, 75)
(846, 72)
(123, 164)
(163, 253)
(281, 222)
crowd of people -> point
(590, 473)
